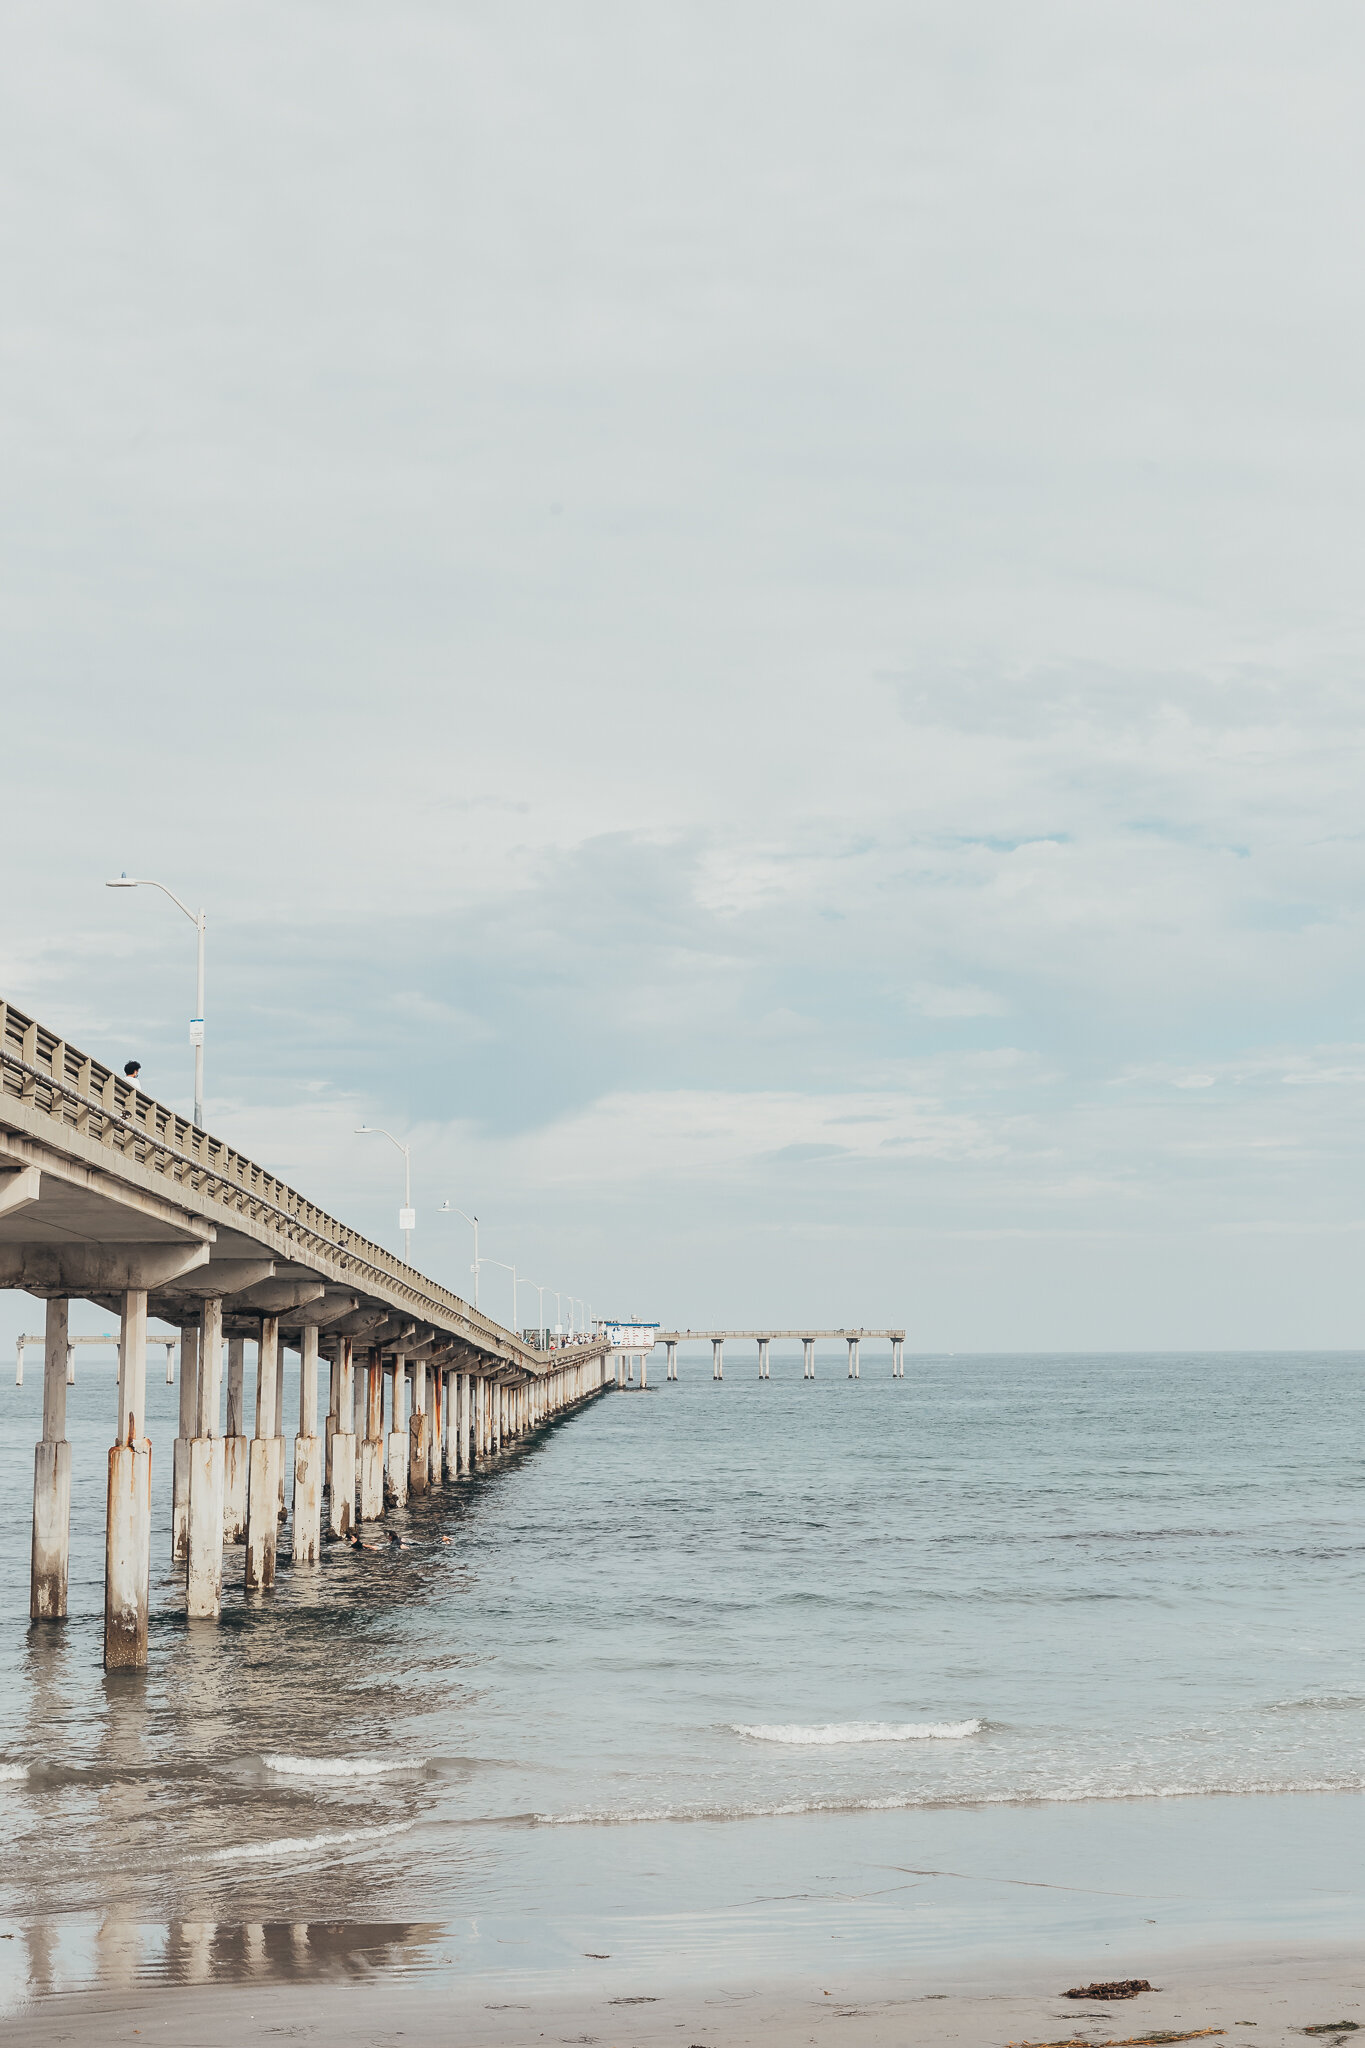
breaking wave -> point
(300, 1845)
(341, 1766)
(832, 1732)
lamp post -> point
(407, 1215)
(540, 1306)
(559, 1312)
(513, 1271)
(199, 921)
(449, 1209)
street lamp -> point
(407, 1215)
(513, 1271)
(199, 921)
(540, 1307)
(449, 1209)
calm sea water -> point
(1102, 1582)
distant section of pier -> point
(717, 1339)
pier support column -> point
(204, 1558)
(808, 1358)
(263, 1479)
(128, 1520)
(424, 1471)
(52, 1478)
(180, 1453)
(333, 1418)
(309, 1455)
(463, 1403)
(620, 1370)
(235, 1453)
(853, 1358)
(397, 1449)
(372, 1443)
(341, 1498)
(672, 1361)
(763, 1371)
(718, 1358)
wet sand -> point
(1264, 1994)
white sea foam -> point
(858, 1731)
(286, 1846)
(9, 1772)
(341, 1766)
(919, 1802)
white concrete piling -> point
(419, 1431)
(309, 1456)
(207, 1469)
(718, 1358)
(341, 1484)
(463, 1422)
(763, 1372)
(397, 1447)
(808, 1358)
(180, 1453)
(897, 1358)
(235, 1454)
(52, 1477)
(853, 1358)
(263, 1477)
(128, 1517)
(371, 1447)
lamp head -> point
(124, 881)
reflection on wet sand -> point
(115, 1953)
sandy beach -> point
(1279, 1995)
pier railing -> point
(87, 1100)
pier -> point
(108, 1196)
(807, 1339)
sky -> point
(746, 619)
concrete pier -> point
(463, 1422)
(309, 1454)
(128, 1516)
(341, 1485)
(371, 1445)
(438, 1424)
(397, 1446)
(235, 1453)
(263, 1475)
(180, 1453)
(109, 1197)
(419, 1430)
(52, 1477)
(672, 1368)
(765, 1338)
(207, 1469)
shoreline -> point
(1243, 1989)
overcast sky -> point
(747, 618)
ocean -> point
(1015, 1650)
